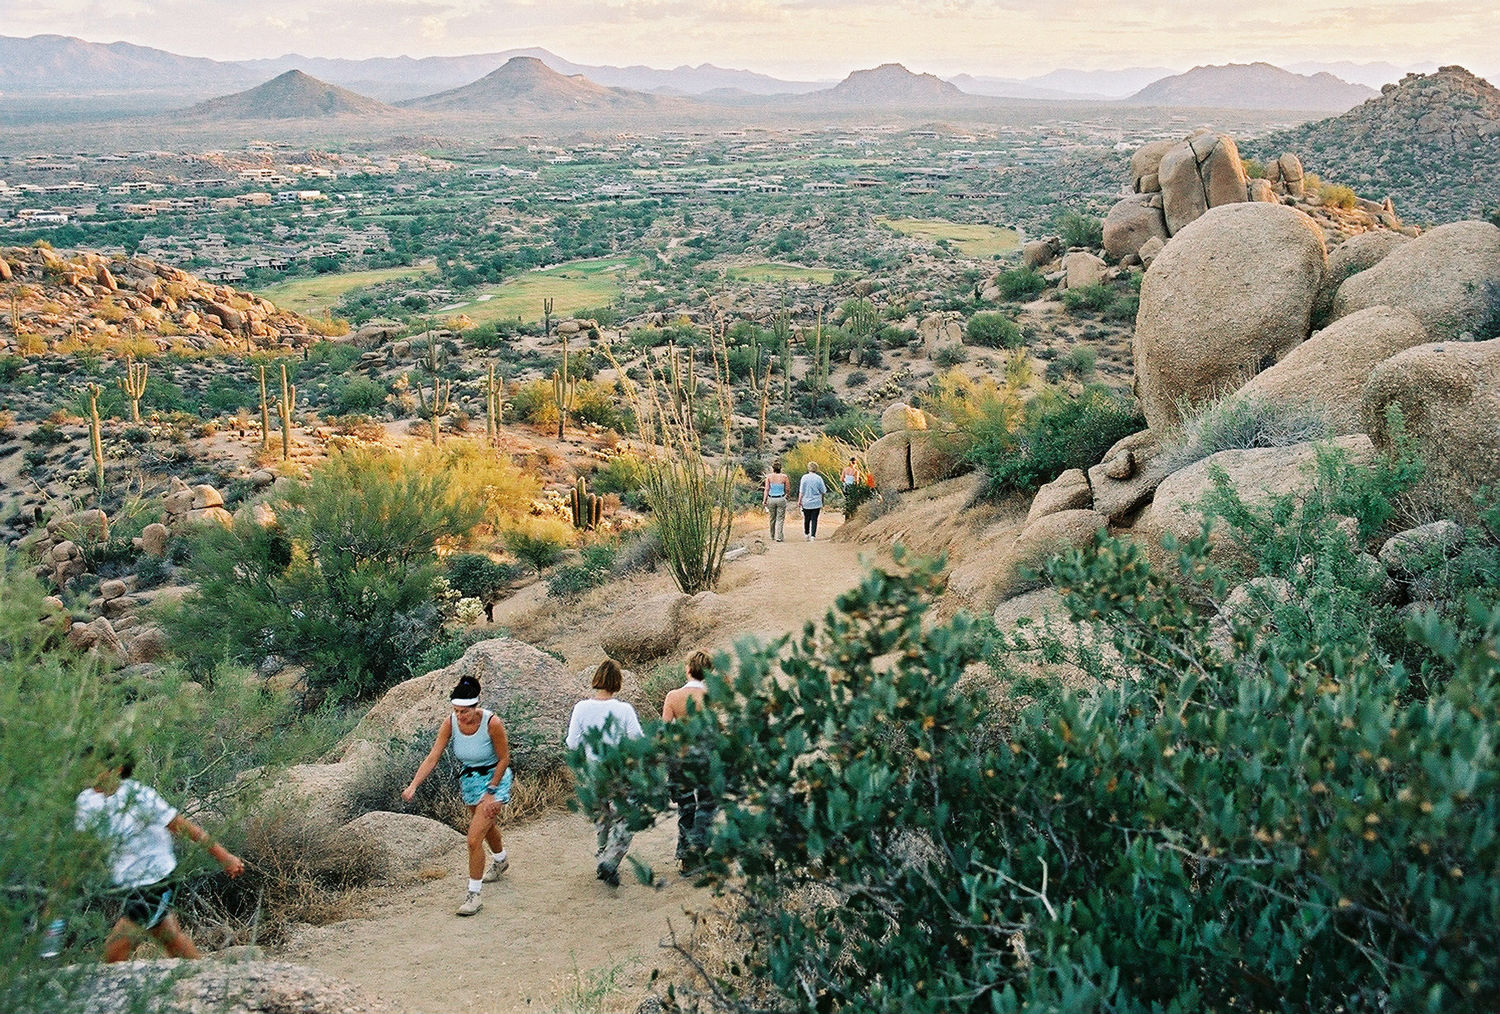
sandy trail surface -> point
(551, 935)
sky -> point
(806, 39)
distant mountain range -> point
(290, 96)
(1243, 85)
(62, 66)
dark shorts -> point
(146, 906)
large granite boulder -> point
(900, 416)
(1197, 174)
(646, 630)
(1258, 475)
(1145, 166)
(1449, 397)
(932, 458)
(1445, 276)
(1069, 491)
(1327, 373)
(1229, 296)
(889, 461)
(1082, 269)
(406, 842)
(1040, 541)
(1130, 224)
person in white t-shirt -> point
(618, 721)
(137, 825)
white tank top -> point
(477, 750)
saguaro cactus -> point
(96, 435)
(265, 413)
(442, 390)
(588, 508)
(564, 387)
(494, 405)
(285, 406)
(133, 384)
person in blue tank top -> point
(774, 497)
(477, 739)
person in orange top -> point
(696, 807)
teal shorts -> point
(473, 785)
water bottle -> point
(52, 939)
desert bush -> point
(950, 355)
(856, 428)
(830, 454)
(1078, 229)
(1231, 423)
(359, 395)
(1080, 361)
(485, 479)
(994, 331)
(538, 542)
(640, 551)
(1336, 195)
(595, 566)
(1020, 283)
(1096, 298)
(534, 402)
(623, 475)
(343, 584)
(475, 576)
(1056, 431)
(600, 404)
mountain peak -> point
(892, 84)
(526, 84)
(1256, 85)
(292, 95)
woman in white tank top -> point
(477, 739)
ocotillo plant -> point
(133, 384)
(96, 435)
(588, 508)
(285, 406)
(265, 413)
(762, 367)
(564, 388)
(494, 405)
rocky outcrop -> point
(1082, 269)
(1449, 397)
(207, 987)
(1197, 174)
(137, 299)
(1038, 542)
(1128, 475)
(1069, 491)
(1327, 373)
(188, 506)
(1448, 277)
(909, 458)
(1226, 298)
(1038, 253)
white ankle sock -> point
(498, 857)
(475, 886)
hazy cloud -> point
(806, 38)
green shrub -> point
(342, 585)
(359, 395)
(623, 474)
(1096, 298)
(1056, 432)
(536, 546)
(1078, 229)
(994, 331)
(1020, 283)
(595, 567)
(535, 402)
(1080, 361)
(950, 355)
(855, 428)
(1236, 811)
(475, 576)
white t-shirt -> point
(133, 821)
(614, 716)
(812, 489)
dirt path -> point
(551, 936)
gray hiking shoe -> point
(496, 869)
(472, 904)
